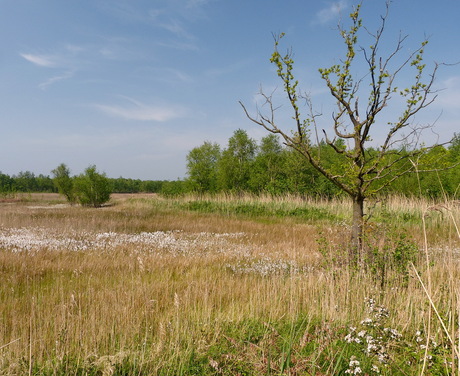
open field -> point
(225, 286)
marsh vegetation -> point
(226, 285)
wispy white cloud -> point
(190, 10)
(52, 80)
(74, 49)
(449, 93)
(137, 110)
(178, 16)
(176, 27)
(122, 10)
(167, 75)
(231, 68)
(178, 75)
(65, 60)
(196, 3)
(40, 60)
(60, 58)
(155, 14)
(196, 9)
(178, 45)
(173, 17)
(331, 12)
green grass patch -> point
(259, 210)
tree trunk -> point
(357, 229)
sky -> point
(131, 86)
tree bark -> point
(357, 229)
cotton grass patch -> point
(176, 242)
(233, 246)
(268, 266)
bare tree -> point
(366, 169)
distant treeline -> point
(28, 182)
(269, 167)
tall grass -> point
(159, 287)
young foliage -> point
(267, 173)
(234, 168)
(202, 167)
(361, 168)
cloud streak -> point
(40, 60)
(176, 27)
(449, 93)
(55, 79)
(331, 12)
(229, 69)
(65, 60)
(142, 112)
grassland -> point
(226, 286)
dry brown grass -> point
(150, 300)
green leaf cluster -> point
(90, 188)
(270, 167)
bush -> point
(92, 188)
(63, 182)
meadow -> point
(227, 285)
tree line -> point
(265, 167)
(28, 182)
(272, 168)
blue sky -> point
(133, 85)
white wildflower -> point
(371, 348)
(349, 338)
(382, 356)
(353, 362)
(375, 369)
(394, 334)
(353, 366)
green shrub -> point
(92, 188)
(63, 182)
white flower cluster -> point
(350, 337)
(372, 346)
(373, 337)
(353, 367)
(393, 333)
(379, 312)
